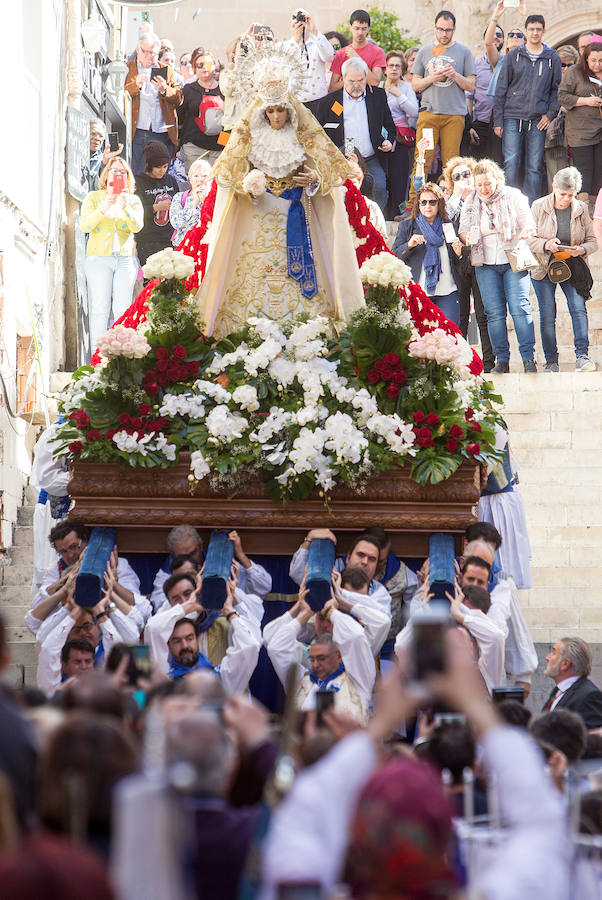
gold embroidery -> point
(279, 185)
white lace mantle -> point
(276, 153)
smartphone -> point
(349, 146)
(141, 667)
(474, 235)
(159, 71)
(562, 248)
(429, 654)
(310, 891)
(511, 4)
(446, 718)
(512, 692)
(428, 135)
(113, 141)
(324, 702)
(450, 236)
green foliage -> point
(384, 30)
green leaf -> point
(434, 469)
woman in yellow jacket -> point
(111, 216)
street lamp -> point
(115, 74)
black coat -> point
(415, 257)
(584, 698)
(379, 117)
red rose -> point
(373, 376)
(386, 372)
(469, 414)
(432, 419)
(151, 388)
(144, 409)
(162, 365)
(418, 417)
(124, 419)
(161, 379)
(136, 424)
(76, 447)
(162, 353)
(82, 419)
(110, 434)
(379, 366)
(72, 415)
(422, 433)
(475, 426)
(93, 435)
(400, 377)
(392, 391)
(473, 449)
(425, 442)
(179, 352)
(193, 367)
(451, 445)
(391, 359)
(456, 432)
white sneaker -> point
(585, 364)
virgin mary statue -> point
(280, 243)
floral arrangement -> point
(254, 183)
(295, 403)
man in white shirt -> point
(316, 50)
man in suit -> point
(362, 113)
(569, 663)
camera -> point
(300, 16)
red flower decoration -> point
(456, 432)
(392, 391)
(151, 388)
(136, 424)
(93, 435)
(418, 417)
(82, 419)
(76, 447)
(124, 419)
(193, 367)
(473, 449)
(400, 377)
(179, 352)
(391, 359)
(373, 376)
(475, 426)
(162, 353)
(110, 434)
(432, 419)
(145, 409)
(451, 445)
(469, 413)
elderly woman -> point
(581, 97)
(185, 208)
(494, 219)
(421, 243)
(562, 220)
(201, 112)
(404, 109)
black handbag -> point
(558, 270)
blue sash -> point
(177, 670)
(299, 253)
(324, 683)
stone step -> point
(18, 675)
(22, 652)
(25, 514)
(23, 536)
(519, 383)
(17, 574)
(555, 440)
(14, 615)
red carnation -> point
(193, 367)
(179, 352)
(136, 424)
(432, 419)
(392, 391)
(93, 435)
(144, 409)
(400, 377)
(124, 419)
(161, 378)
(162, 365)
(422, 433)
(473, 449)
(451, 445)
(474, 426)
(391, 359)
(373, 376)
(456, 432)
(76, 447)
(425, 442)
(110, 434)
(418, 417)
(151, 388)
(82, 419)
(387, 372)
(469, 414)
(162, 353)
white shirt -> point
(446, 283)
(563, 687)
(319, 55)
(355, 123)
(254, 580)
(150, 117)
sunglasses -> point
(517, 34)
(429, 202)
(458, 175)
(565, 65)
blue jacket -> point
(526, 89)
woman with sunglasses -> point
(581, 97)
(514, 38)
(422, 244)
(494, 218)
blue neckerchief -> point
(433, 235)
(299, 253)
(99, 655)
(177, 670)
(324, 684)
(493, 577)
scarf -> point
(433, 235)
(177, 670)
(324, 684)
(500, 212)
(206, 620)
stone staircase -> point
(15, 599)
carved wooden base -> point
(143, 504)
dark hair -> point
(477, 597)
(353, 578)
(445, 14)
(582, 63)
(182, 55)
(485, 531)
(361, 16)
(76, 644)
(593, 746)
(535, 20)
(175, 579)
(363, 537)
(475, 561)
(343, 41)
(65, 527)
(433, 189)
(564, 730)
(179, 560)
(184, 621)
(514, 713)
(96, 693)
(496, 28)
(452, 747)
(367, 185)
(378, 532)
(590, 819)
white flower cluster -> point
(168, 263)
(276, 421)
(224, 426)
(198, 465)
(74, 394)
(132, 443)
(213, 391)
(183, 405)
(385, 270)
(397, 434)
(245, 396)
(219, 363)
(254, 183)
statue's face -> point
(277, 116)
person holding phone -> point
(316, 49)
(185, 208)
(404, 109)
(202, 111)
(563, 229)
(111, 216)
(433, 255)
(156, 189)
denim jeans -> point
(110, 281)
(449, 304)
(142, 137)
(545, 292)
(500, 287)
(515, 132)
(380, 180)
